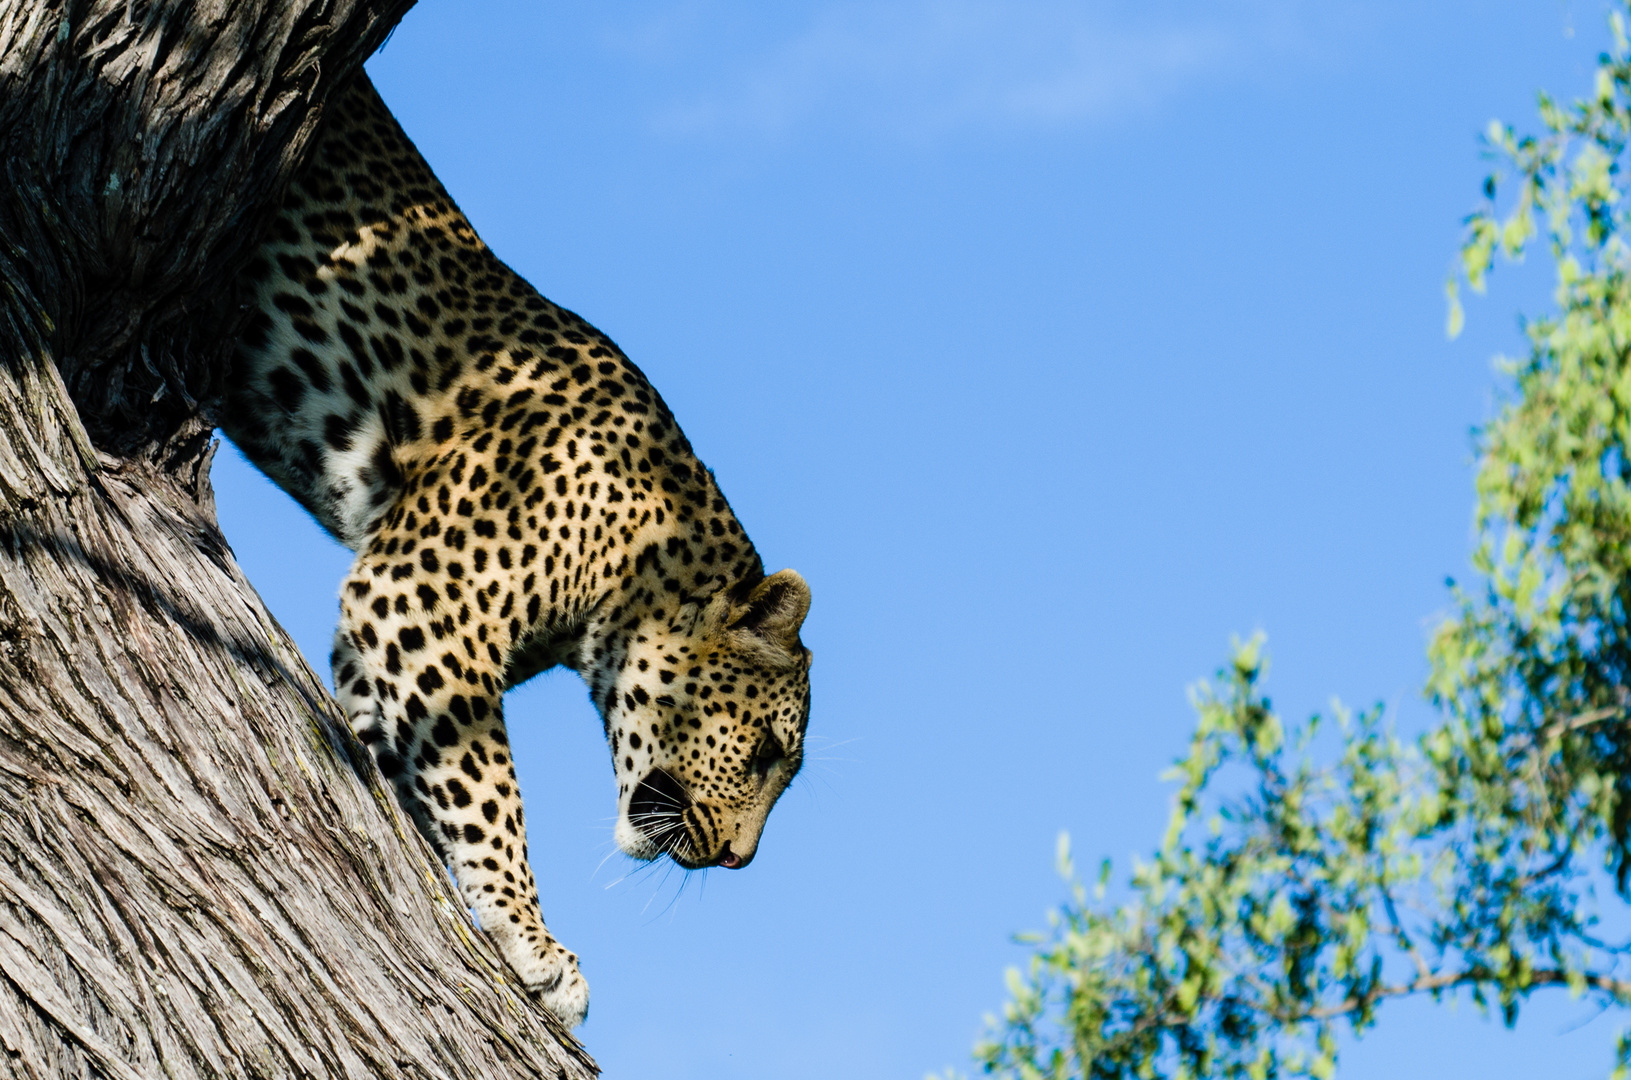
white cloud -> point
(925, 67)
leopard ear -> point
(775, 610)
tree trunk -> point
(201, 873)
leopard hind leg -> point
(363, 698)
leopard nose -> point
(730, 860)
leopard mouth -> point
(663, 812)
(657, 812)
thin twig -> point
(1619, 988)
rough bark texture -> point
(201, 874)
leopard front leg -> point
(436, 727)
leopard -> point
(519, 498)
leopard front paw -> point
(550, 974)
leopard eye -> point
(770, 752)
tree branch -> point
(201, 873)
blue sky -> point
(1054, 343)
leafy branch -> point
(1268, 916)
(1289, 897)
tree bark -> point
(201, 873)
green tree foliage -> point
(1289, 896)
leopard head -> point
(706, 725)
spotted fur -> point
(519, 497)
